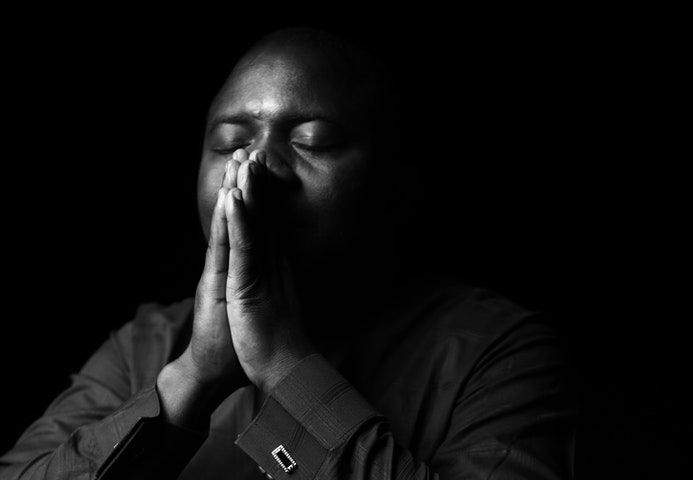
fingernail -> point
(254, 168)
(237, 194)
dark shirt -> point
(452, 382)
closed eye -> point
(315, 148)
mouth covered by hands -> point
(261, 306)
(246, 323)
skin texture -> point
(284, 188)
(318, 144)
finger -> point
(268, 195)
(252, 177)
(243, 275)
(259, 181)
(217, 231)
(212, 282)
(240, 155)
(230, 174)
(260, 157)
(257, 155)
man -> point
(308, 352)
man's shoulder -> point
(152, 315)
(156, 325)
(449, 307)
(445, 328)
(155, 335)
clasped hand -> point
(246, 319)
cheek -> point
(337, 193)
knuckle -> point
(242, 245)
(211, 270)
(246, 292)
(208, 292)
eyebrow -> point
(292, 119)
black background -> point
(539, 138)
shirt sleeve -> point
(95, 421)
(513, 420)
(314, 424)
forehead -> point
(272, 85)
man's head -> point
(317, 106)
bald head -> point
(337, 58)
(340, 72)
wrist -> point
(185, 400)
(282, 362)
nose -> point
(284, 185)
(277, 160)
